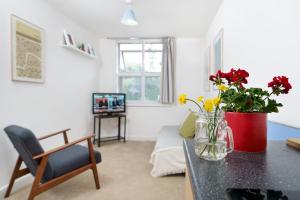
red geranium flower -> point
(237, 77)
(280, 85)
(217, 78)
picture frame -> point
(92, 51)
(218, 48)
(27, 51)
(68, 39)
(207, 69)
(65, 38)
(88, 49)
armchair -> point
(52, 167)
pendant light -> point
(129, 18)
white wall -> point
(145, 122)
(263, 38)
(63, 101)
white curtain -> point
(167, 77)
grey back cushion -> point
(27, 146)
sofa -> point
(168, 156)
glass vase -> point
(213, 138)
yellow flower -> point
(217, 101)
(222, 87)
(209, 105)
(200, 98)
(182, 99)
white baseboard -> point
(139, 138)
(132, 137)
(19, 183)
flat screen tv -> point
(109, 103)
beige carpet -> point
(124, 175)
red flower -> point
(212, 78)
(221, 74)
(280, 85)
(234, 77)
(237, 77)
(217, 78)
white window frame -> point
(141, 74)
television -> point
(109, 103)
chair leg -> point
(14, 176)
(94, 166)
(96, 178)
(38, 177)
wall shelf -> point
(73, 48)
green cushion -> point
(187, 130)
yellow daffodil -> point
(208, 105)
(182, 99)
(222, 87)
(217, 101)
(200, 98)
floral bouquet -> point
(210, 127)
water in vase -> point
(210, 151)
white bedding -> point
(168, 156)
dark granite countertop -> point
(278, 168)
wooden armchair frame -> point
(37, 186)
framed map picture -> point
(27, 51)
(218, 51)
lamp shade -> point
(129, 18)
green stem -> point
(203, 150)
(195, 103)
(214, 151)
(267, 97)
(214, 125)
(214, 136)
(210, 128)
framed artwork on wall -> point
(207, 69)
(218, 47)
(27, 51)
(68, 39)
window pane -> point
(152, 88)
(153, 61)
(153, 47)
(130, 61)
(131, 47)
(131, 86)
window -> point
(139, 70)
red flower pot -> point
(249, 131)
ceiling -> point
(179, 18)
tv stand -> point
(107, 116)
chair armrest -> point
(47, 153)
(56, 133)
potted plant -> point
(246, 109)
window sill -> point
(148, 105)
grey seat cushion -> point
(70, 159)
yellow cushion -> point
(187, 130)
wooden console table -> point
(105, 139)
